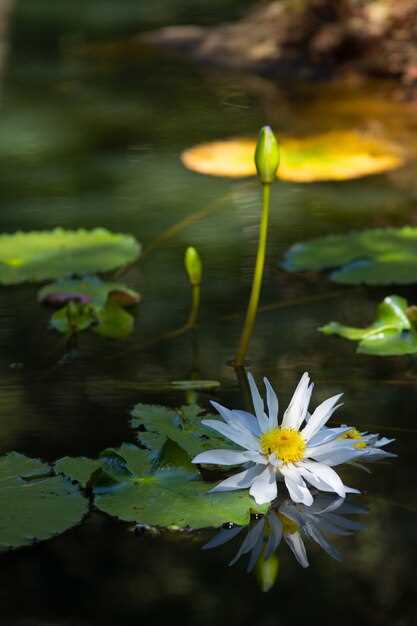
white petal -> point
(320, 416)
(325, 435)
(335, 452)
(242, 438)
(238, 419)
(264, 487)
(297, 408)
(272, 402)
(243, 480)
(296, 486)
(298, 548)
(322, 477)
(247, 421)
(221, 457)
(258, 404)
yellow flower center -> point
(287, 444)
(353, 433)
(289, 527)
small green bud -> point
(194, 266)
(267, 156)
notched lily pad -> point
(41, 255)
(392, 333)
(336, 155)
(35, 504)
(374, 257)
(183, 426)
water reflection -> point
(327, 517)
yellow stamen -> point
(289, 527)
(353, 433)
(287, 444)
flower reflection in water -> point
(293, 523)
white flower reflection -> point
(293, 523)
(300, 451)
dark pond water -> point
(91, 135)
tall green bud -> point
(267, 156)
(193, 266)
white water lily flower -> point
(297, 451)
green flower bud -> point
(194, 266)
(267, 156)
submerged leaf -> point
(375, 257)
(35, 505)
(41, 255)
(391, 334)
(336, 155)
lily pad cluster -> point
(336, 155)
(394, 331)
(90, 303)
(130, 484)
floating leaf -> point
(336, 155)
(392, 333)
(41, 255)
(181, 425)
(126, 487)
(170, 499)
(87, 290)
(35, 505)
(79, 468)
(375, 257)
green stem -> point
(195, 306)
(257, 280)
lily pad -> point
(336, 155)
(392, 333)
(87, 290)
(170, 499)
(41, 255)
(183, 426)
(93, 303)
(35, 504)
(126, 487)
(375, 257)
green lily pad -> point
(41, 255)
(392, 333)
(126, 487)
(35, 504)
(170, 499)
(183, 426)
(114, 321)
(374, 257)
